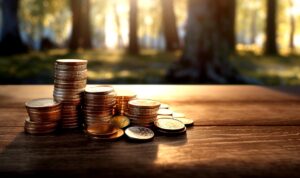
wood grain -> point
(240, 131)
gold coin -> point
(139, 133)
(169, 124)
(112, 137)
(143, 103)
(100, 129)
(42, 103)
(120, 121)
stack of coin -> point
(123, 96)
(69, 84)
(44, 115)
(99, 102)
(142, 112)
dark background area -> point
(153, 41)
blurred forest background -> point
(153, 41)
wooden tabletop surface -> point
(240, 131)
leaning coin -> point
(185, 121)
(120, 121)
(139, 133)
(169, 125)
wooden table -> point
(240, 131)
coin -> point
(169, 124)
(180, 132)
(42, 103)
(185, 121)
(101, 129)
(139, 133)
(165, 112)
(112, 137)
(120, 121)
(99, 89)
(143, 103)
(71, 62)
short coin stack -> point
(142, 112)
(44, 115)
(69, 84)
(123, 96)
(99, 102)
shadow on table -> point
(72, 154)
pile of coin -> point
(99, 102)
(69, 83)
(123, 96)
(44, 115)
(142, 112)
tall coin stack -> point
(123, 96)
(142, 112)
(44, 115)
(99, 102)
(69, 84)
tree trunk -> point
(133, 28)
(292, 31)
(169, 25)
(11, 42)
(271, 32)
(81, 30)
(253, 27)
(230, 10)
(118, 24)
(86, 25)
(207, 46)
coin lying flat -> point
(169, 124)
(99, 89)
(180, 132)
(100, 129)
(144, 103)
(112, 137)
(71, 61)
(139, 133)
(120, 121)
(42, 103)
(185, 121)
